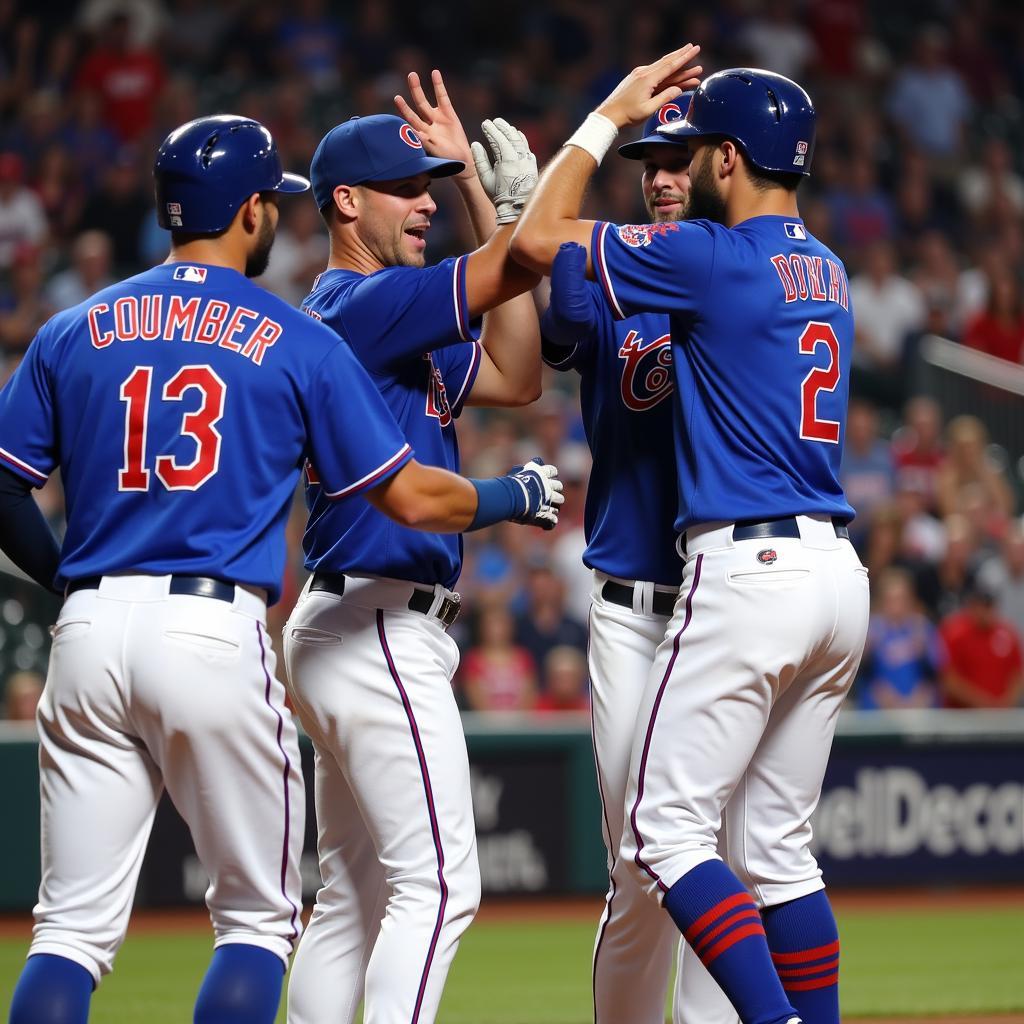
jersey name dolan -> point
(174, 318)
(803, 277)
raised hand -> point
(513, 176)
(437, 124)
(646, 88)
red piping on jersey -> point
(431, 811)
(650, 727)
(287, 794)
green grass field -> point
(520, 972)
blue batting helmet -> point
(768, 115)
(207, 168)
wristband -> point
(497, 499)
(595, 135)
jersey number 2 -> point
(199, 425)
(821, 378)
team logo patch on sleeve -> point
(194, 275)
(640, 235)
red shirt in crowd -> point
(986, 657)
(128, 83)
(987, 334)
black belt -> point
(191, 586)
(747, 529)
(619, 593)
(421, 601)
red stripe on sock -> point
(729, 941)
(715, 913)
(742, 914)
(796, 972)
(804, 986)
(803, 955)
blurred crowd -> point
(916, 183)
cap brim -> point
(435, 166)
(292, 183)
(635, 150)
(679, 129)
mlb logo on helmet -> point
(194, 275)
(670, 112)
(801, 154)
(174, 214)
(409, 137)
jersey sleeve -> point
(28, 434)
(354, 440)
(403, 312)
(458, 366)
(564, 357)
(653, 268)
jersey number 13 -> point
(200, 425)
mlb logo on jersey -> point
(796, 231)
(194, 275)
(640, 235)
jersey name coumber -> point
(626, 387)
(762, 338)
(180, 406)
(409, 328)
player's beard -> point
(257, 260)
(705, 201)
(662, 217)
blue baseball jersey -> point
(409, 327)
(762, 335)
(626, 386)
(180, 406)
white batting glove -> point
(542, 491)
(513, 177)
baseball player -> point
(770, 620)
(369, 660)
(179, 406)
(626, 387)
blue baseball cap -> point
(380, 147)
(667, 113)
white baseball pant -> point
(740, 708)
(636, 940)
(372, 683)
(147, 690)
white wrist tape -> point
(595, 135)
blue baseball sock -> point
(721, 923)
(804, 941)
(51, 990)
(242, 986)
